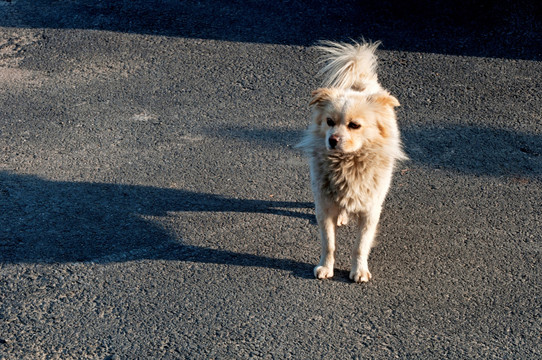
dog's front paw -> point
(323, 272)
(360, 276)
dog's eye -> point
(330, 122)
(354, 125)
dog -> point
(352, 143)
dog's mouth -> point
(334, 150)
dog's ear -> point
(384, 98)
(383, 129)
(320, 96)
(386, 103)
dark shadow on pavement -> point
(475, 150)
(471, 150)
(502, 28)
(44, 221)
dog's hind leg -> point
(342, 219)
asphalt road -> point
(153, 206)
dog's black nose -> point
(333, 141)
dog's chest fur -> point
(354, 182)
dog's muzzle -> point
(333, 141)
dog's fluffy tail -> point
(349, 66)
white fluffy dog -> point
(353, 143)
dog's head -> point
(348, 120)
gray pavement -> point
(153, 206)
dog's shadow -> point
(43, 221)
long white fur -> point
(349, 66)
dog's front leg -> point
(362, 248)
(327, 222)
